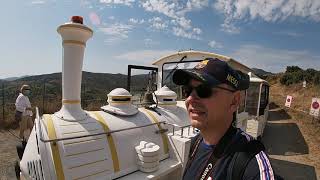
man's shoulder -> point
(259, 167)
(256, 163)
(244, 135)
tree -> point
(316, 79)
(292, 69)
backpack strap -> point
(243, 157)
(193, 147)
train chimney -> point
(74, 37)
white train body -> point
(101, 156)
(77, 144)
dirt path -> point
(292, 142)
(8, 155)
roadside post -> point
(288, 101)
(314, 108)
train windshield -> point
(167, 72)
(252, 101)
(252, 98)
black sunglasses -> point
(203, 90)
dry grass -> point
(302, 97)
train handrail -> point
(181, 129)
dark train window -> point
(264, 98)
(242, 106)
(252, 98)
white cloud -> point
(182, 33)
(160, 6)
(117, 30)
(176, 12)
(197, 30)
(275, 60)
(158, 23)
(184, 23)
(291, 34)
(198, 4)
(173, 15)
(214, 44)
(86, 4)
(267, 10)
(38, 2)
(111, 17)
(149, 42)
(230, 28)
(111, 40)
(136, 21)
(123, 2)
(144, 56)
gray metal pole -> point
(3, 110)
(43, 96)
(84, 96)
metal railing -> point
(182, 128)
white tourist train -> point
(123, 141)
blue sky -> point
(259, 33)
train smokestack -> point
(74, 37)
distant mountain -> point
(46, 91)
(94, 85)
(261, 73)
(13, 78)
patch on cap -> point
(202, 64)
(231, 79)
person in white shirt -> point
(24, 111)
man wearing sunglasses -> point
(220, 151)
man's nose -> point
(193, 96)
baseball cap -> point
(213, 72)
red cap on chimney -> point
(77, 19)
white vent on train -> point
(35, 169)
(120, 103)
(166, 97)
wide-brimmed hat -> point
(25, 87)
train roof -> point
(201, 55)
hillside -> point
(46, 91)
(261, 73)
(301, 96)
(290, 83)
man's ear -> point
(235, 101)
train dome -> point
(120, 103)
(166, 96)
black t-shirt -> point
(258, 168)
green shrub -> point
(292, 69)
(295, 74)
(316, 79)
